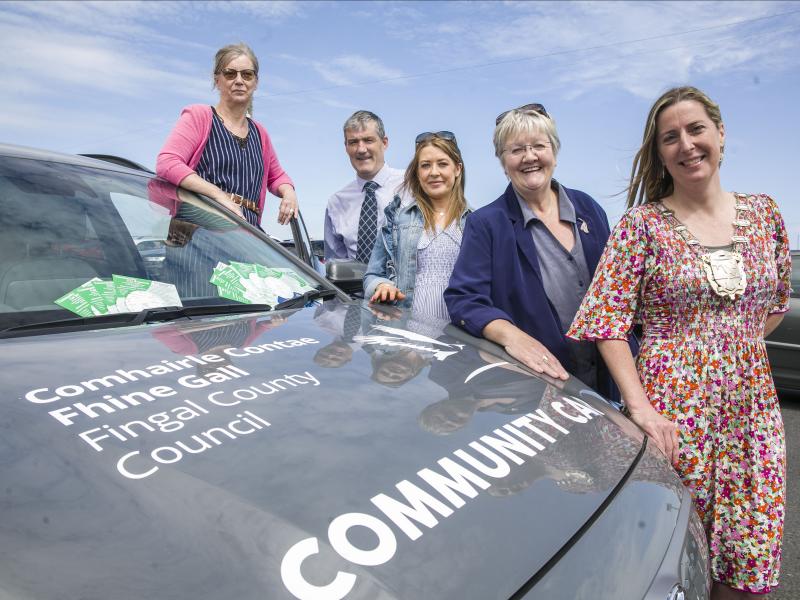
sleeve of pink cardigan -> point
(173, 161)
(274, 174)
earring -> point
(721, 155)
(663, 172)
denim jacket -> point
(394, 256)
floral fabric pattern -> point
(703, 364)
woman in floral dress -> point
(707, 274)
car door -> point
(294, 237)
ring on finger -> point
(545, 359)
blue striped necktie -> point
(367, 223)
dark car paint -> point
(783, 344)
(224, 522)
(218, 523)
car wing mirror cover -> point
(348, 275)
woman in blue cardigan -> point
(527, 258)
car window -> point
(65, 225)
(292, 236)
(796, 275)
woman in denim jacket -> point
(418, 244)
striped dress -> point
(234, 167)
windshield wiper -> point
(148, 315)
(300, 301)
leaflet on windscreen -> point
(121, 294)
(256, 284)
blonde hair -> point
(517, 122)
(231, 52)
(650, 180)
(412, 185)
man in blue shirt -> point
(355, 213)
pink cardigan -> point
(184, 148)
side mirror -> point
(348, 275)
(318, 249)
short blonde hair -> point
(518, 122)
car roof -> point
(14, 151)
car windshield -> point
(82, 241)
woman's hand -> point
(532, 353)
(660, 429)
(386, 292)
(194, 183)
(526, 349)
(288, 207)
(225, 200)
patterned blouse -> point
(436, 256)
(703, 365)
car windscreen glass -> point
(66, 227)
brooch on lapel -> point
(584, 227)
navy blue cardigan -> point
(497, 274)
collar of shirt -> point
(381, 177)
(566, 211)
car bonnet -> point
(290, 455)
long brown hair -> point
(411, 184)
(650, 180)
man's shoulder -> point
(341, 194)
(391, 180)
(395, 173)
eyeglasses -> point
(520, 151)
(247, 74)
(535, 107)
(428, 135)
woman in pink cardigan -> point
(220, 152)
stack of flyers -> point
(135, 294)
(120, 295)
(257, 284)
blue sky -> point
(111, 77)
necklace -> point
(242, 141)
(724, 269)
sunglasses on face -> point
(534, 107)
(247, 74)
(443, 135)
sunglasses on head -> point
(247, 74)
(534, 107)
(443, 135)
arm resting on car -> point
(617, 356)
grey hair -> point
(231, 52)
(518, 122)
(359, 119)
(228, 53)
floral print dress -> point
(703, 364)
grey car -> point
(186, 445)
(783, 345)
